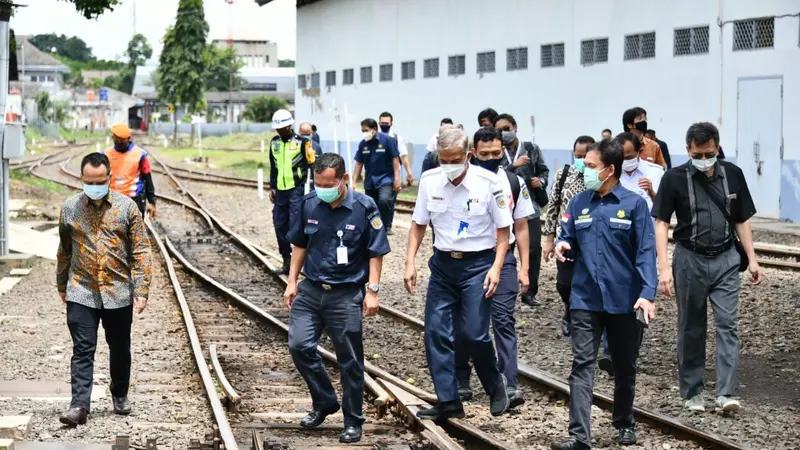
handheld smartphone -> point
(640, 317)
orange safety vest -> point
(125, 176)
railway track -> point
(770, 255)
(230, 267)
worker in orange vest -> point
(130, 170)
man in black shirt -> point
(706, 260)
(651, 134)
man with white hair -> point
(465, 204)
(431, 160)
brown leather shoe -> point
(74, 417)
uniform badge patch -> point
(565, 218)
(501, 202)
(380, 145)
(621, 213)
(525, 193)
(376, 223)
(312, 221)
(585, 211)
(349, 227)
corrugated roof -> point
(35, 57)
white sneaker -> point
(696, 403)
(728, 404)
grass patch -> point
(81, 135)
(408, 192)
(239, 141)
(24, 177)
(240, 163)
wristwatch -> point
(374, 287)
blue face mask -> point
(490, 164)
(95, 191)
(327, 195)
(579, 164)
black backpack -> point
(515, 188)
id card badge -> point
(341, 250)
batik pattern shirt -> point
(104, 256)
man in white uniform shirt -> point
(488, 154)
(638, 176)
(471, 218)
(386, 121)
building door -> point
(759, 140)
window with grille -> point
(431, 68)
(386, 72)
(366, 75)
(594, 51)
(485, 62)
(408, 70)
(691, 41)
(517, 58)
(754, 33)
(315, 80)
(640, 46)
(330, 78)
(301, 82)
(457, 65)
(347, 76)
(553, 55)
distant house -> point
(255, 53)
(39, 68)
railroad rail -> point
(770, 255)
(387, 388)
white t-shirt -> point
(433, 143)
(466, 217)
(401, 143)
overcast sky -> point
(108, 36)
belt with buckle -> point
(466, 255)
(336, 287)
(707, 251)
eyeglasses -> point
(708, 155)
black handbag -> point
(744, 261)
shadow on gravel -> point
(773, 379)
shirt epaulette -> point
(431, 172)
(363, 199)
(481, 172)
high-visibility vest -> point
(125, 176)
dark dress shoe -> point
(627, 436)
(285, 268)
(315, 418)
(499, 402)
(464, 391)
(565, 327)
(570, 444)
(74, 417)
(515, 397)
(605, 364)
(121, 405)
(443, 411)
(530, 300)
(350, 434)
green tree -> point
(138, 52)
(261, 109)
(93, 8)
(72, 47)
(74, 79)
(95, 83)
(182, 66)
(285, 63)
(42, 104)
(113, 82)
(223, 70)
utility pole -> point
(230, 72)
(5, 224)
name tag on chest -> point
(341, 255)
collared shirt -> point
(433, 143)
(652, 172)
(464, 217)
(378, 156)
(700, 222)
(614, 241)
(665, 152)
(401, 143)
(524, 208)
(104, 256)
(573, 185)
(651, 152)
(358, 221)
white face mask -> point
(367, 135)
(704, 164)
(453, 171)
(629, 165)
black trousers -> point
(141, 202)
(535, 263)
(564, 271)
(83, 323)
(624, 337)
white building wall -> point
(565, 101)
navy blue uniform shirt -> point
(377, 156)
(363, 234)
(615, 250)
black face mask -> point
(385, 128)
(641, 126)
(121, 146)
(490, 164)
